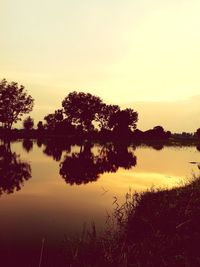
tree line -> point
(80, 113)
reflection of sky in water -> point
(47, 206)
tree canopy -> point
(14, 102)
(81, 109)
(103, 117)
(124, 120)
(54, 119)
(86, 111)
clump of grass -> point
(154, 228)
(164, 227)
(106, 248)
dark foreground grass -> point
(155, 228)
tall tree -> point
(81, 109)
(14, 102)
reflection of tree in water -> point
(55, 148)
(27, 145)
(13, 172)
(158, 146)
(80, 167)
(85, 166)
(39, 142)
(123, 158)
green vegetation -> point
(154, 228)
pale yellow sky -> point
(133, 51)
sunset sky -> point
(143, 54)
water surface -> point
(49, 189)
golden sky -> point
(145, 53)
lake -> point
(49, 189)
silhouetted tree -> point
(28, 123)
(53, 119)
(185, 135)
(103, 117)
(157, 133)
(168, 134)
(138, 135)
(13, 172)
(198, 147)
(65, 126)
(198, 133)
(27, 145)
(14, 102)
(159, 129)
(40, 126)
(81, 109)
(124, 121)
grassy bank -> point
(155, 228)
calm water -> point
(49, 189)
